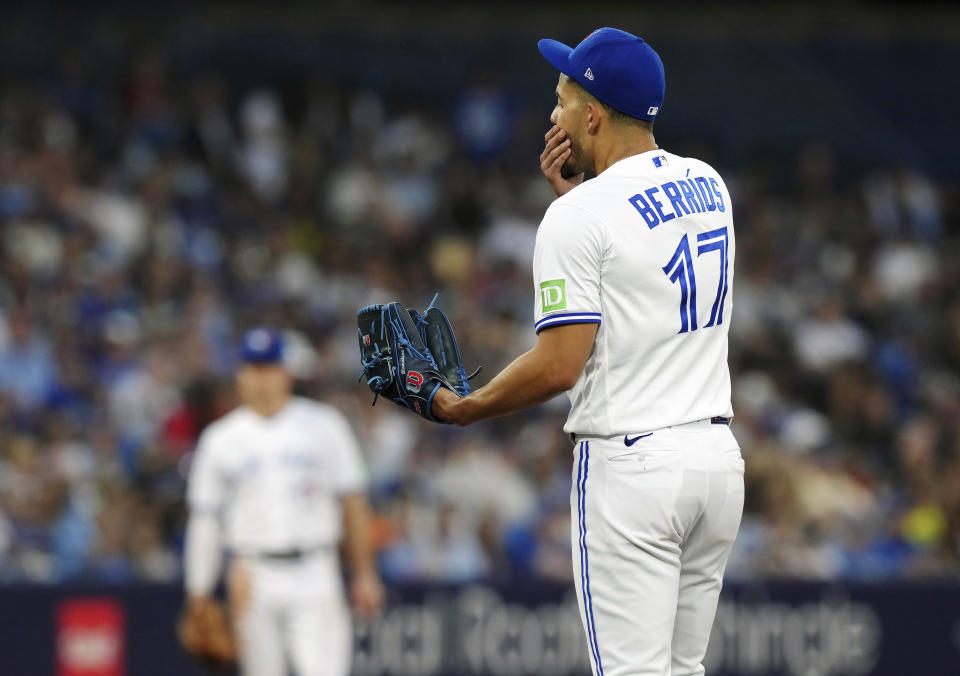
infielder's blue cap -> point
(618, 68)
(262, 345)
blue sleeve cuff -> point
(568, 318)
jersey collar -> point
(626, 164)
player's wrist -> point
(447, 407)
(560, 185)
(199, 603)
(365, 571)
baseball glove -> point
(407, 356)
(205, 633)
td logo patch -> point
(553, 295)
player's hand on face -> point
(366, 594)
(555, 153)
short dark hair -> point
(616, 117)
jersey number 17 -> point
(680, 271)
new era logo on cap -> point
(653, 110)
(588, 74)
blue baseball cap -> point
(618, 68)
(262, 345)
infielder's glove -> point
(407, 356)
(205, 633)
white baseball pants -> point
(296, 620)
(653, 524)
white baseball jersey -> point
(277, 481)
(646, 251)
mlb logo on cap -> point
(262, 345)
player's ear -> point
(594, 114)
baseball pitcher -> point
(632, 275)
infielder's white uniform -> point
(274, 485)
(646, 250)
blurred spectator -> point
(27, 367)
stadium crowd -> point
(146, 222)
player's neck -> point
(268, 406)
(621, 146)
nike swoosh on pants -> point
(627, 441)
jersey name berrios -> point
(277, 482)
(646, 251)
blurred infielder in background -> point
(632, 271)
(271, 483)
